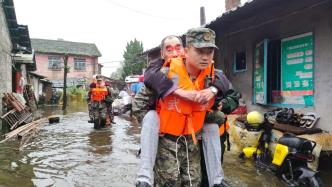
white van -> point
(132, 78)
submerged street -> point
(72, 153)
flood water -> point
(72, 153)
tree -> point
(133, 64)
(117, 75)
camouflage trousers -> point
(171, 168)
(96, 108)
(90, 110)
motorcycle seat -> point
(300, 144)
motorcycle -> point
(100, 115)
(290, 159)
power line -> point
(111, 61)
(145, 13)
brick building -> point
(49, 57)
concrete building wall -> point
(278, 23)
(323, 68)
(5, 59)
(42, 67)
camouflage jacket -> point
(144, 101)
(111, 96)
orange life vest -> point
(177, 116)
(222, 127)
(99, 93)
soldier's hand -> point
(188, 95)
(204, 96)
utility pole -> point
(65, 71)
(202, 16)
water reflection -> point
(100, 141)
(58, 150)
(134, 129)
(47, 110)
(14, 172)
(243, 173)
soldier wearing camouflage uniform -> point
(104, 107)
(146, 98)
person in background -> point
(101, 93)
(91, 86)
(136, 87)
(140, 83)
(112, 94)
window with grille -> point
(79, 64)
(54, 62)
(240, 63)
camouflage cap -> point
(201, 37)
(99, 77)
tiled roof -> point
(64, 47)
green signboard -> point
(297, 69)
(260, 73)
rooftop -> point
(64, 47)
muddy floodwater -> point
(72, 153)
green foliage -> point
(117, 75)
(133, 64)
(73, 90)
(76, 94)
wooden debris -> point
(19, 113)
(25, 130)
(11, 100)
(30, 97)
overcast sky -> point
(110, 24)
